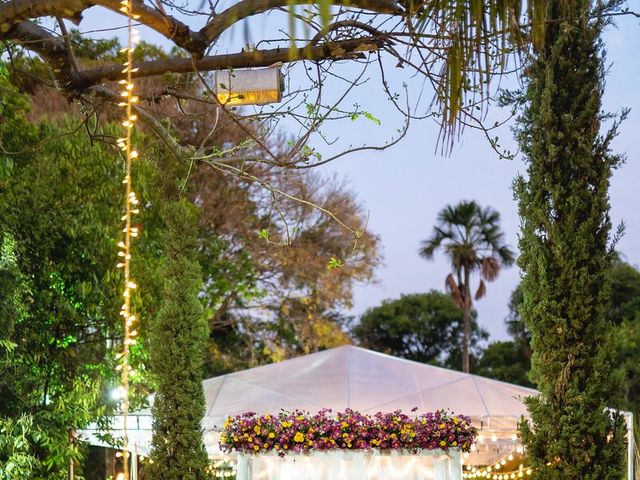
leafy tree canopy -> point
(425, 327)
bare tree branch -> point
(247, 8)
(258, 58)
(51, 48)
(16, 11)
(13, 12)
(180, 152)
(172, 28)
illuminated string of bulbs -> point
(131, 202)
(512, 475)
(494, 471)
(222, 469)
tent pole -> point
(630, 445)
(134, 463)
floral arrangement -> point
(300, 431)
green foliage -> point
(510, 361)
(367, 115)
(624, 312)
(17, 439)
(94, 48)
(625, 292)
(626, 345)
(565, 234)
(177, 343)
(55, 259)
(59, 291)
(12, 286)
(505, 361)
(425, 327)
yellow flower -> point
(393, 435)
(266, 445)
(286, 447)
(442, 425)
(454, 444)
(256, 448)
(298, 437)
(345, 424)
(348, 445)
(227, 422)
(442, 443)
(256, 429)
(235, 438)
(272, 435)
(455, 420)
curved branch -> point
(13, 12)
(168, 26)
(51, 48)
(343, 24)
(247, 8)
(16, 11)
(180, 152)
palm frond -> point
(482, 290)
(490, 269)
(454, 290)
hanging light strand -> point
(128, 100)
(496, 471)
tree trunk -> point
(467, 323)
(465, 343)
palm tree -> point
(471, 238)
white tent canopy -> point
(366, 381)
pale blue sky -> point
(404, 187)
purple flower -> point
(299, 431)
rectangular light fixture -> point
(248, 87)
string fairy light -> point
(128, 100)
(496, 470)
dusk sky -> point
(404, 187)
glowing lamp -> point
(249, 87)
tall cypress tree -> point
(564, 206)
(177, 342)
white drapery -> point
(351, 465)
